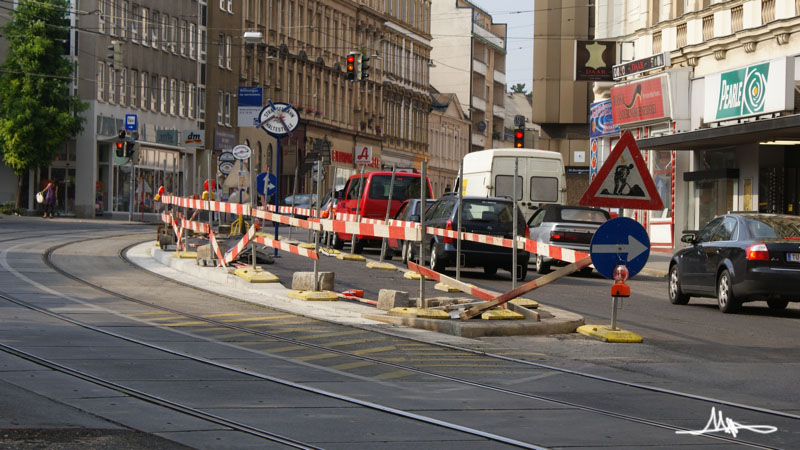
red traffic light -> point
(120, 145)
(518, 134)
(351, 59)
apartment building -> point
(469, 53)
(448, 128)
(717, 114)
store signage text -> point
(641, 65)
(640, 102)
(747, 91)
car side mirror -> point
(688, 238)
(414, 218)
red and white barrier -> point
(476, 292)
(286, 220)
(375, 230)
(285, 246)
(234, 252)
(214, 245)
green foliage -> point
(37, 114)
(8, 208)
(518, 88)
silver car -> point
(564, 226)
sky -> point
(518, 15)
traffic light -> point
(130, 148)
(116, 55)
(364, 68)
(351, 66)
(519, 138)
(120, 144)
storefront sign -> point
(642, 101)
(594, 60)
(601, 121)
(752, 90)
(169, 137)
(224, 139)
(641, 65)
(193, 138)
(342, 157)
(249, 105)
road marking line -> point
(354, 365)
(222, 315)
(395, 374)
(327, 335)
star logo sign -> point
(595, 55)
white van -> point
(541, 177)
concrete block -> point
(205, 251)
(389, 298)
(304, 281)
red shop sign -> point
(639, 102)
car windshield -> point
(493, 211)
(774, 227)
(583, 215)
(405, 187)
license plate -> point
(793, 257)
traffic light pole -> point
(133, 188)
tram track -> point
(48, 260)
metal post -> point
(316, 232)
(388, 210)
(210, 188)
(185, 179)
(614, 313)
(253, 199)
(294, 193)
(354, 237)
(278, 184)
(130, 206)
(460, 211)
(422, 195)
(514, 228)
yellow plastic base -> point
(606, 334)
(350, 257)
(414, 276)
(380, 265)
(501, 314)
(185, 255)
(329, 251)
(445, 288)
(307, 245)
(255, 276)
(525, 303)
(428, 313)
(314, 296)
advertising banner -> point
(249, 106)
(748, 91)
(643, 101)
(594, 60)
(601, 121)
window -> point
(123, 86)
(145, 94)
(504, 185)
(221, 51)
(123, 26)
(101, 18)
(202, 56)
(192, 40)
(230, 6)
(544, 189)
(228, 52)
(222, 4)
(182, 99)
(154, 30)
(173, 28)
(707, 231)
(173, 97)
(101, 81)
(404, 187)
(183, 38)
(154, 92)
(145, 26)
(135, 23)
(134, 88)
(190, 108)
(164, 95)
(112, 85)
(726, 231)
(220, 99)
(164, 32)
(201, 103)
(227, 108)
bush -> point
(7, 208)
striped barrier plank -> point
(286, 220)
(199, 227)
(286, 247)
(374, 230)
(213, 238)
(234, 252)
(476, 292)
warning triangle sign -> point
(623, 181)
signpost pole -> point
(130, 208)
(388, 210)
(514, 228)
(316, 232)
(210, 188)
(354, 237)
(422, 195)
(294, 193)
(278, 184)
(460, 213)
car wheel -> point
(489, 269)
(585, 272)
(541, 266)
(725, 298)
(386, 252)
(406, 252)
(676, 297)
(776, 303)
(337, 244)
(359, 247)
(522, 273)
(436, 262)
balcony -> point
(478, 103)
(478, 140)
(488, 35)
(479, 66)
(499, 77)
(499, 111)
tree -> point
(518, 88)
(37, 113)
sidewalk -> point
(657, 264)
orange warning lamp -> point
(619, 288)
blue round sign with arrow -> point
(620, 242)
(266, 181)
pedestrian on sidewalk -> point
(50, 199)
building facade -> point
(469, 52)
(448, 130)
(720, 125)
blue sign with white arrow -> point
(131, 123)
(620, 242)
(266, 181)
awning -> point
(781, 128)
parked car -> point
(374, 197)
(739, 258)
(569, 227)
(484, 215)
(408, 212)
(306, 201)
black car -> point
(739, 258)
(483, 215)
(408, 212)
